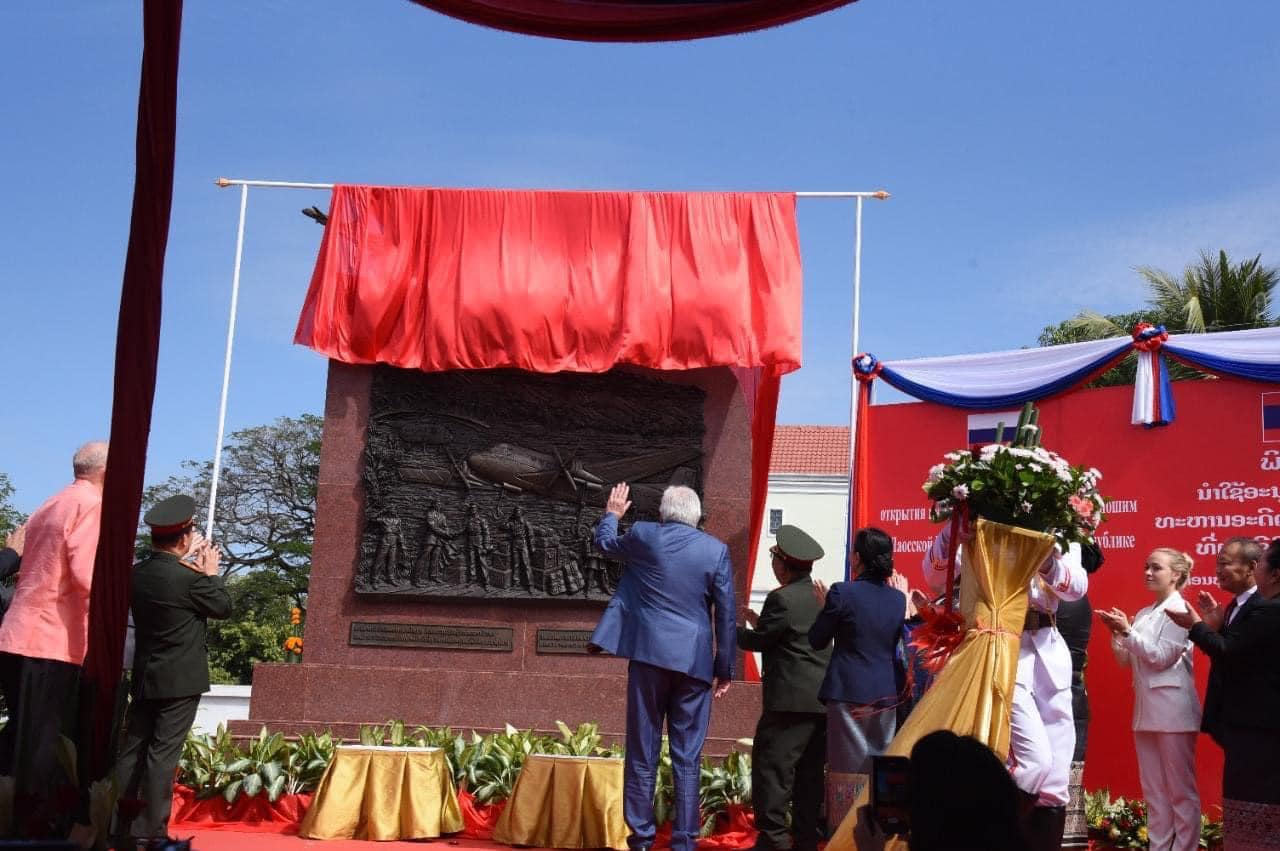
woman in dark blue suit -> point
(864, 617)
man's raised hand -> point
(618, 500)
(1210, 612)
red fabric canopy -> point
(630, 20)
(438, 279)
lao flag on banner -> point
(1271, 417)
(982, 427)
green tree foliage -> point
(254, 633)
(1213, 294)
(265, 522)
(10, 517)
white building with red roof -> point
(809, 488)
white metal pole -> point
(853, 378)
(226, 366)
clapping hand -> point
(820, 592)
(898, 581)
(1115, 620)
(749, 616)
(618, 502)
(203, 557)
(1210, 612)
(1185, 618)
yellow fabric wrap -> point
(973, 694)
(384, 793)
(565, 802)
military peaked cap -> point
(170, 516)
(796, 544)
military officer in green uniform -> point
(789, 749)
(174, 591)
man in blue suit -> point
(676, 584)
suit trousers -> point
(1042, 740)
(655, 695)
(787, 757)
(155, 731)
(41, 697)
(1167, 767)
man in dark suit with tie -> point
(174, 591)
(1235, 571)
(676, 590)
(788, 752)
(1242, 704)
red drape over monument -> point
(439, 279)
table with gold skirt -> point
(565, 802)
(384, 793)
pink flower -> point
(1082, 506)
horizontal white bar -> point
(286, 184)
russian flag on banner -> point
(982, 427)
(1271, 417)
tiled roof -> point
(810, 450)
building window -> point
(775, 520)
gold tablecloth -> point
(384, 793)
(565, 802)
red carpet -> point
(226, 840)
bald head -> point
(90, 461)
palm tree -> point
(1212, 295)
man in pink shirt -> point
(46, 630)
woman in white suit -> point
(1166, 708)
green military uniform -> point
(789, 749)
(170, 669)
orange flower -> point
(295, 616)
(293, 644)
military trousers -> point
(155, 731)
(787, 759)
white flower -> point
(1026, 507)
(936, 472)
(1094, 474)
(955, 456)
(960, 492)
(1019, 466)
(1035, 468)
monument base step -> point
(300, 698)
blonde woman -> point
(1166, 709)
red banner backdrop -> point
(1209, 476)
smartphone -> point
(890, 793)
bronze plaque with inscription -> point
(496, 639)
(566, 641)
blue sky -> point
(1036, 153)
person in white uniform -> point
(1166, 708)
(1042, 736)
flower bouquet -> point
(1022, 484)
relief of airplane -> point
(519, 469)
